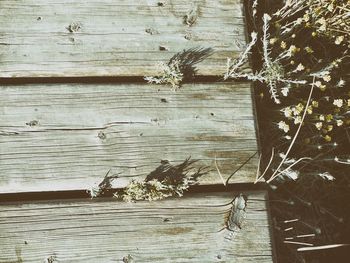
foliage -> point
(303, 44)
(165, 181)
(300, 56)
(181, 67)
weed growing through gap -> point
(165, 181)
(181, 67)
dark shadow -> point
(188, 58)
(175, 174)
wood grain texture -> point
(62, 38)
(67, 136)
(173, 230)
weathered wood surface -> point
(67, 136)
(173, 230)
(61, 38)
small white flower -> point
(285, 91)
(323, 23)
(292, 49)
(299, 21)
(321, 117)
(267, 17)
(297, 110)
(314, 103)
(283, 45)
(300, 67)
(341, 83)
(318, 125)
(287, 137)
(339, 122)
(297, 120)
(338, 103)
(318, 84)
(327, 176)
(330, 7)
(282, 155)
(273, 40)
(338, 40)
(327, 78)
(287, 112)
(309, 50)
(283, 126)
(309, 109)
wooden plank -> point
(67, 136)
(61, 38)
(172, 230)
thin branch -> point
(298, 243)
(321, 247)
(266, 19)
(240, 167)
(267, 167)
(217, 168)
(273, 176)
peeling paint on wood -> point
(110, 231)
(67, 136)
(62, 38)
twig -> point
(291, 220)
(273, 176)
(217, 168)
(257, 178)
(240, 167)
(298, 243)
(267, 167)
(321, 247)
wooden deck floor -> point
(172, 230)
(67, 136)
(60, 132)
(64, 38)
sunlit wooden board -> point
(62, 38)
(67, 136)
(173, 230)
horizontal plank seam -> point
(78, 194)
(110, 80)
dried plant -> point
(165, 181)
(272, 72)
(181, 67)
(303, 44)
(170, 73)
